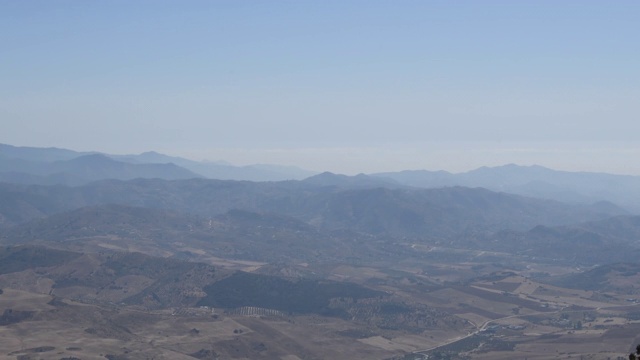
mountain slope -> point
(360, 181)
(31, 165)
(419, 213)
(537, 181)
(236, 234)
(85, 169)
(160, 283)
(595, 242)
(37, 154)
(221, 170)
(618, 277)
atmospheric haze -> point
(345, 86)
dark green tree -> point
(634, 356)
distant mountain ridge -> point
(54, 166)
(222, 170)
(85, 169)
(236, 234)
(399, 212)
(359, 226)
(535, 181)
(612, 239)
(38, 154)
(604, 278)
(330, 179)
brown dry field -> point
(71, 329)
(536, 319)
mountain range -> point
(293, 221)
(147, 250)
(399, 212)
(153, 201)
(534, 181)
(53, 166)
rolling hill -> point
(51, 166)
(535, 181)
(419, 213)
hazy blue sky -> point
(346, 86)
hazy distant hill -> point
(107, 220)
(622, 277)
(405, 212)
(37, 154)
(235, 234)
(131, 278)
(330, 179)
(536, 181)
(98, 167)
(21, 203)
(221, 170)
(609, 240)
(84, 169)
(441, 212)
(265, 237)
(31, 165)
(155, 283)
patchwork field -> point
(496, 315)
